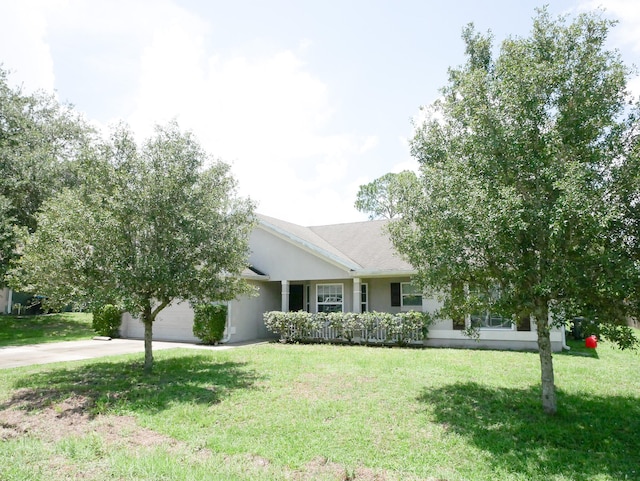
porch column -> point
(285, 296)
(357, 295)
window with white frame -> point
(488, 319)
(364, 297)
(329, 298)
(410, 296)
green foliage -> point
(382, 197)
(367, 327)
(209, 322)
(292, 326)
(157, 222)
(277, 412)
(107, 320)
(42, 145)
(517, 161)
(622, 336)
(45, 328)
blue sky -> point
(306, 99)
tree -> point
(381, 198)
(626, 180)
(515, 209)
(154, 226)
(41, 141)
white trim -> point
(383, 273)
(357, 295)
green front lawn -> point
(66, 326)
(307, 412)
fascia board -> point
(255, 277)
(383, 273)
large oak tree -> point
(41, 143)
(147, 226)
(516, 212)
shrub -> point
(411, 325)
(291, 326)
(377, 326)
(371, 327)
(277, 322)
(209, 322)
(107, 320)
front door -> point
(296, 297)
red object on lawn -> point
(591, 342)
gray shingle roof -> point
(365, 244)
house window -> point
(488, 319)
(308, 299)
(364, 297)
(410, 296)
(329, 297)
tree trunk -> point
(147, 320)
(148, 316)
(549, 402)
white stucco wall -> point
(245, 315)
(4, 300)
(282, 260)
(174, 323)
(503, 339)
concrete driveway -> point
(15, 356)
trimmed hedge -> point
(364, 328)
(107, 320)
(209, 321)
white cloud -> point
(23, 47)
(265, 114)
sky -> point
(306, 99)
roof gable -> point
(358, 246)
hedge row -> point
(364, 328)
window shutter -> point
(525, 323)
(458, 324)
(395, 294)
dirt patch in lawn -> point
(71, 417)
(29, 413)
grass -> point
(299, 412)
(65, 326)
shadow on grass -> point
(579, 349)
(589, 436)
(123, 387)
(21, 330)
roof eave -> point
(384, 273)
